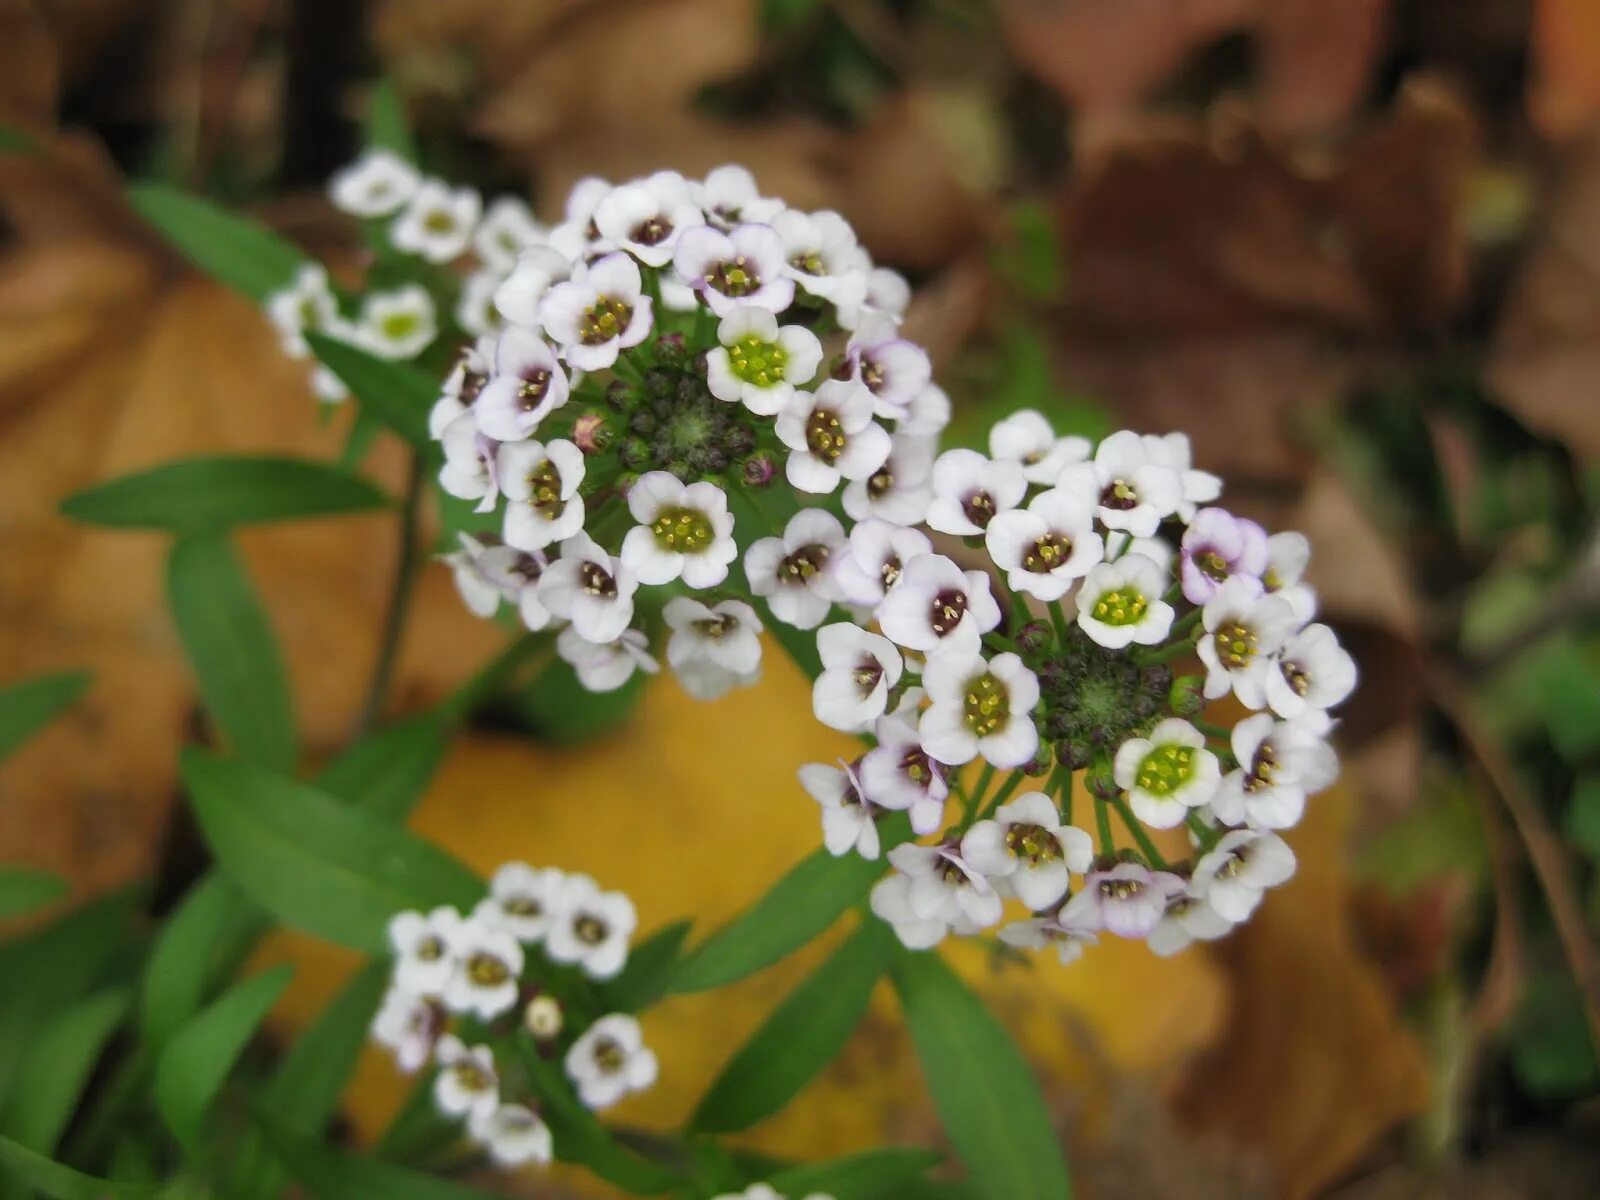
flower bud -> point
(543, 1017)
(758, 470)
(670, 350)
(1073, 752)
(618, 394)
(1034, 638)
(1102, 785)
(1041, 763)
(1186, 696)
(658, 382)
(634, 453)
(592, 433)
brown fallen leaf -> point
(1564, 92)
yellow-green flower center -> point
(758, 362)
(605, 319)
(544, 490)
(987, 705)
(1236, 645)
(825, 436)
(591, 930)
(809, 261)
(398, 326)
(439, 220)
(1165, 769)
(1047, 553)
(430, 949)
(608, 1056)
(1033, 844)
(1120, 606)
(1212, 565)
(683, 530)
(1262, 770)
(799, 567)
(485, 970)
(736, 276)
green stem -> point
(1146, 846)
(1012, 783)
(405, 574)
(1019, 610)
(1206, 836)
(1187, 622)
(1221, 732)
(974, 801)
(1060, 786)
(1167, 653)
(1102, 817)
(1058, 618)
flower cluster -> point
(1137, 572)
(417, 228)
(666, 349)
(465, 989)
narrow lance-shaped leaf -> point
(24, 889)
(57, 1065)
(232, 649)
(891, 1173)
(60, 1182)
(201, 495)
(27, 706)
(387, 127)
(397, 394)
(231, 249)
(332, 1175)
(799, 1038)
(651, 966)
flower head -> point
(1167, 773)
(742, 267)
(683, 531)
(792, 571)
(375, 185)
(438, 221)
(599, 312)
(592, 927)
(610, 1061)
(1026, 846)
(758, 363)
(831, 436)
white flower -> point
(468, 1085)
(475, 310)
(969, 489)
(684, 530)
(398, 324)
(521, 900)
(1280, 764)
(831, 436)
(647, 218)
(927, 414)
(938, 608)
(462, 386)
(1243, 630)
(945, 887)
(307, 305)
(1167, 773)
(1288, 555)
(1047, 930)
(591, 928)
(713, 648)
(599, 312)
(890, 900)
(590, 588)
(1047, 546)
(899, 774)
(1312, 673)
(487, 572)
(858, 670)
(513, 1135)
(375, 185)
(527, 385)
(1126, 899)
(610, 1061)
(763, 1191)
(739, 268)
(1025, 846)
(537, 270)
(888, 295)
(1242, 866)
(875, 558)
(540, 483)
(605, 666)
(980, 707)
(469, 463)
(1026, 438)
(1130, 490)
(901, 489)
(327, 386)
(758, 363)
(507, 229)
(423, 950)
(1188, 918)
(821, 254)
(583, 199)
(1195, 487)
(792, 571)
(1120, 603)
(728, 196)
(848, 818)
(488, 969)
(406, 1024)
(438, 222)
(896, 371)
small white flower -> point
(406, 1024)
(648, 217)
(1242, 866)
(538, 269)
(1129, 489)
(469, 463)
(792, 571)
(1195, 487)
(591, 928)
(1047, 930)
(1188, 918)
(399, 324)
(423, 947)
(758, 363)
(605, 666)
(1046, 547)
(475, 310)
(467, 1085)
(1243, 630)
(590, 588)
(743, 267)
(684, 530)
(713, 648)
(888, 295)
(307, 305)
(848, 818)
(438, 221)
(945, 887)
(513, 1135)
(875, 558)
(899, 774)
(938, 608)
(1126, 899)
(927, 414)
(583, 199)
(526, 386)
(1167, 773)
(831, 436)
(610, 1061)
(462, 386)
(969, 489)
(540, 483)
(980, 708)
(375, 185)
(507, 229)
(598, 313)
(900, 490)
(1026, 438)
(488, 970)
(487, 572)
(1312, 672)
(1280, 764)
(327, 386)
(821, 254)
(521, 900)
(1025, 847)
(890, 900)
(1218, 546)
(1288, 555)
(1120, 603)
(728, 196)
(894, 370)
(858, 670)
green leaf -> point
(24, 889)
(229, 248)
(313, 862)
(332, 1175)
(986, 1096)
(232, 649)
(886, 1174)
(56, 1065)
(397, 394)
(1583, 815)
(27, 706)
(203, 495)
(58, 1181)
(806, 901)
(651, 966)
(561, 711)
(198, 1059)
(200, 945)
(1551, 1048)
(387, 127)
(799, 1038)
(385, 773)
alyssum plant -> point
(682, 418)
